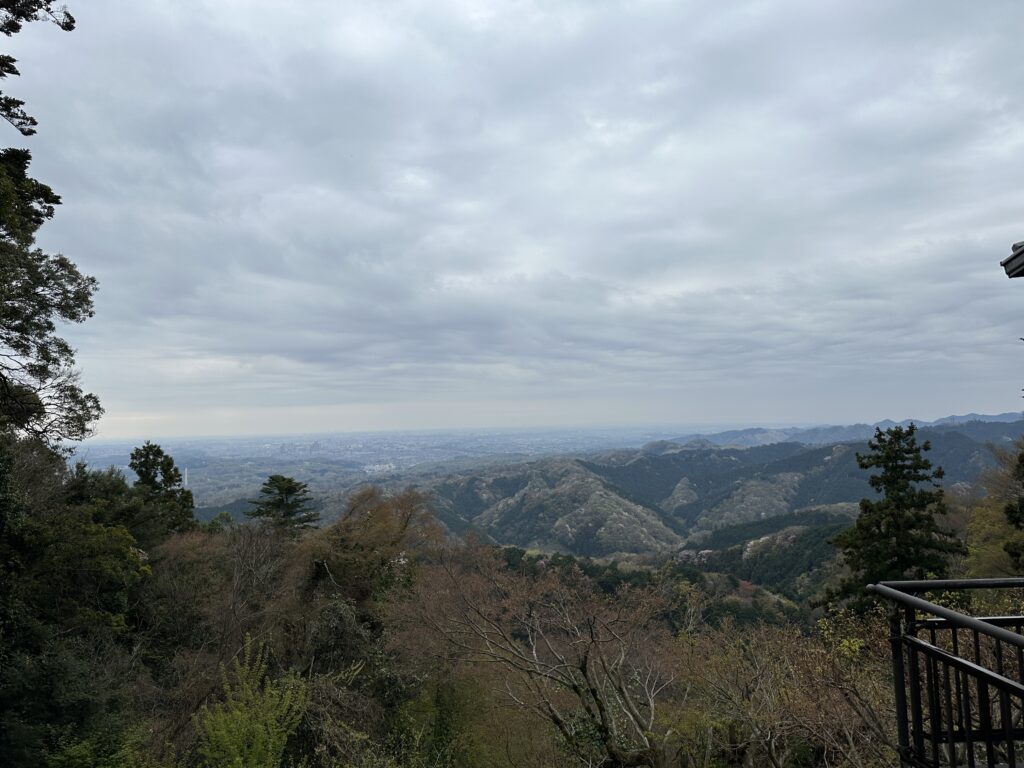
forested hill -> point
(670, 496)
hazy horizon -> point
(665, 429)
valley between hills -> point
(759, 504)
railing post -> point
(899, 680)
(914, 678)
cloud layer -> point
(412, 213)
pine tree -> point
(1014, 511)
(897, 536)
(40, 393)
(159, 487)
(285, 503)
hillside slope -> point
(668, 495)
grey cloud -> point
(436, 213)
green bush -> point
(251, 726)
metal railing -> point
(959, 679)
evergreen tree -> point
(159, 482)
(11, 546)
(1014, 511)
(152, 509)
(284, 503)
(13, 15)
(39, 389)
(897, 536)
(154, 469)
(67, 581)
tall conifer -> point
(284, 503)
(897, 536)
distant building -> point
(1014, 263)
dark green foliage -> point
(25, 204)
(897, 536)
(981, 431)
(251, 726)
(762, 609)
(1015, 507)
(150, 510)
(590, 507)
(1014, 511)
(13, 15)
(729, 536)
(12, 546)
(67, 584)
(39, 390)
(449, 712)
(154, 469)
(285, 503)
(16, 13)
(831, 475)
(795, 567)
(159, 483)
(650, 479)
(234, 512)
(608, 577)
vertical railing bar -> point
(1004, 705)
(899, 679)
(1007, 718)
(947, 689)
(1020, 668)
(934, 709)
(931, 672)
(968, 719)
(959, 698)
(914, 677)
(962, 706)
(956, 681)
(1018, 705)
(934, 713)
(985, 715)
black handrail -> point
(959, 702)
(951, 585)
(1012, 686)
(954, 617)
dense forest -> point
(133, 635)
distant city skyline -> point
(409, 215)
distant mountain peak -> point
(1009, 416)
(835, 433)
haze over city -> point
(412, 215)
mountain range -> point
(678, 495)
(980, 426)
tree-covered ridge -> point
(649, 502)
(379, 640)
(902, 534)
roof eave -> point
(1014, 263)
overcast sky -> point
(356, 215)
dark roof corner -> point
(1014, 263)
